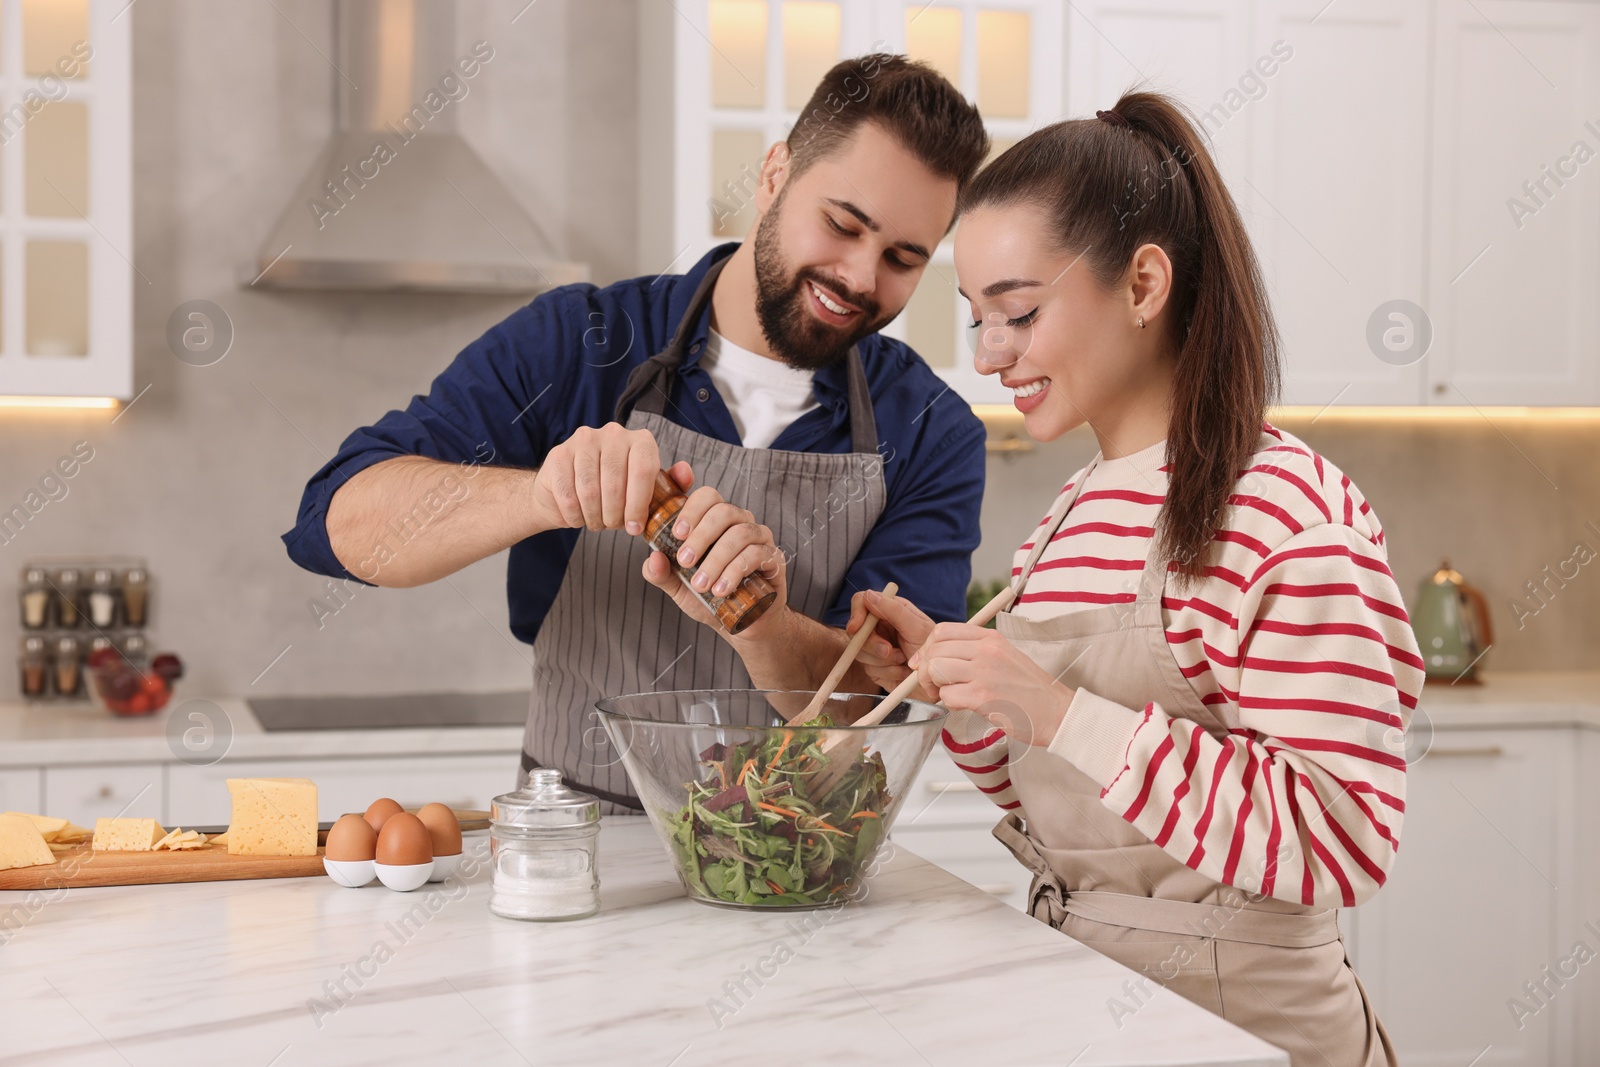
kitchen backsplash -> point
(1508, 502)
(203, 472)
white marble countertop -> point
(45, 735)
(286, 972)
(1516, 699)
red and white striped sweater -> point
(1297, 637)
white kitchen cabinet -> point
(108, 790)
(1475, 904)
(1516, 93)
(66, 218)
(199, 795)
(947, 821)
(1334, 194)
(21, 790)
(1516, 263)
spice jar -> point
(35, 597)
(135, 595)
(542, 843)
(33, 667)
(69, 669)
(69, 612)
(735, 611)
(102, 598)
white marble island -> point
(926, 969)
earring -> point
(1141, 322)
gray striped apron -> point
(609, 631)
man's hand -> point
(724, 545)
(601, 479)
(902, 630)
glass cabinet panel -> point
(57, 161)
(738, 53)
(933, 35)
(1003, 38)
(57, 285)
(50, 28)
(735, 169)
(810, 48)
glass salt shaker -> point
(542, 841)
(34, 667)
(69, 606)
(35, 596)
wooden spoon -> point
(835, 676)
(844, 748)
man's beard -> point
(795, 335)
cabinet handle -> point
(106, 791)
(962, 786)
(1480, 750)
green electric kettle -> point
(1451, 621)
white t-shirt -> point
(763, 395)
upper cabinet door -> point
(66, 233)
(1335, 195)
(1515, 232)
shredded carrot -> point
(788, 735)
(780, 811)
(776, 888)
(864, 815)
(744, 772)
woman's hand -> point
(901, 630)
(974, 668)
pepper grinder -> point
(734, 612)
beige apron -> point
(609, 631)
(1272, 967)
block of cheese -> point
(21, 843)
(55, 831)
(273, 817)
(126, 835)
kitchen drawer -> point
(199, 795)
(84, 794)
(943, 795)
(972, 855)
(22, 790)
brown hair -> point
(1142, 175)
(910, 100)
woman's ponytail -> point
(1147, 161)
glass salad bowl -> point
(759, 814)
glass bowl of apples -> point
(125, 686)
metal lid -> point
(134, 576)
(102, 576)
(67, 646)
(135, 645)
(545, 803)
(33, 646)
(33, 576)
(67, 576)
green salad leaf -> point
(751, 832)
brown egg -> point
(443, 827)
(379, 810)
(404, 841)
(351, 838)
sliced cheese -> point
(180, 838)
(21, 843)
(273, 817)
(126, 835)
(55, 831)
(220, 839)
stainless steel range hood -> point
(397, 200)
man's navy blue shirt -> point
(562, 361)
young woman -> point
(1192, 711)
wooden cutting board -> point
(82, 866)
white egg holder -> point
(402, 878)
